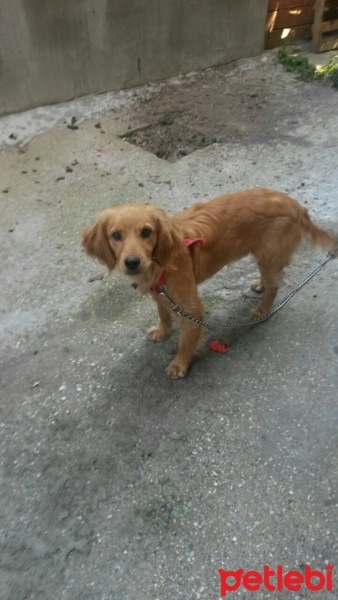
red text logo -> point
(276, 580)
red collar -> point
(187, 242)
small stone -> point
(97, 277)
(64, 515)
(72, 123)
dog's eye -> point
(116, 235)
(146, 232)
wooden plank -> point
(299, 16)
(329, 26)
(317, 25)
(330, 5)
(290, 17)
(329, 44)
(284, 36)
(285, 4)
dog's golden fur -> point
(143, 241)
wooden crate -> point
(325, 32)
(291, 19)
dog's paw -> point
(258, 312)
(176, 371)
(257, 286)
(157, 334)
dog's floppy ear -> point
(95, 242)
(169, 241)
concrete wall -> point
(54, 50)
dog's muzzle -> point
(132, 264)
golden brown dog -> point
(148, 245)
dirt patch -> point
(169, 140)
(232, 103)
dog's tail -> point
(314, 234)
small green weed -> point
(203, 140)
(298, 64)
(329, 73)
(168, 117)
(308, 72)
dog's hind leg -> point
(257, 286)
(274, 255)
(271, 276)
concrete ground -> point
(116, 482)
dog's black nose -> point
(132, 263)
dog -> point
(155, 249)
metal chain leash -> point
(178, 310)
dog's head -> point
(133, 237)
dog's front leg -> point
(162, 330)
(190, 336)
